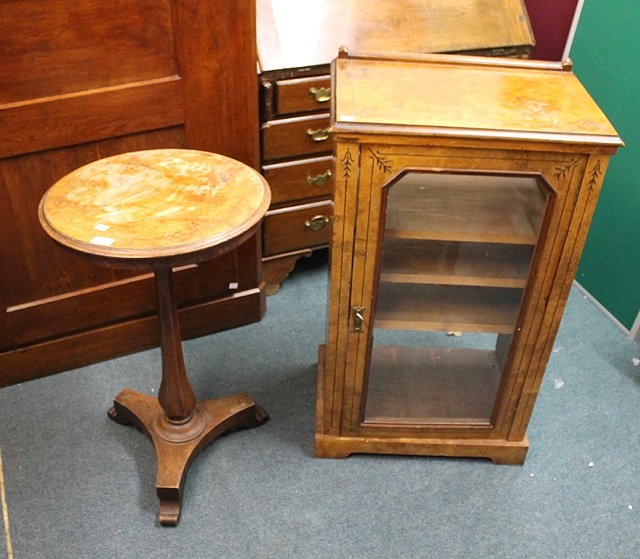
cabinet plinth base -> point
(498, 451)
(177, 445)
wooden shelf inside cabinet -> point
(431, 385)
(447, 307)
(455, 263)
(465, 207)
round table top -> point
(155, 206)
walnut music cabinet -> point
(464, 189)
(296, 42)
(158, 210)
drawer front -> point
(297, 180)
(303, 95)
(298, 227)
(292, 137)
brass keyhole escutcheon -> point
(357, 314)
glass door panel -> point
(456, 253)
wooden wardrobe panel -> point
(29, 246)
(85, 80)
(55, 47)
(52, 122)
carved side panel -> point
(340, 280)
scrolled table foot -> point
(257, 416)
(261, 416)
(120, 414)
(169, 512)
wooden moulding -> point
(498, 451)
(123, 338)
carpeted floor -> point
(76, 485)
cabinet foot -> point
(177, 444)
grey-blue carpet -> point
(80, 486)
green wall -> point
(606, 56)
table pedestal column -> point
(179, 426)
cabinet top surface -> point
(154, 204)
(295, 33)
(466, 96)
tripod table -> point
(155, 210)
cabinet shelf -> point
(431, 385)
(455, 263)
(404, 306)
(465, 207)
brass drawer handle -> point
(318, 135)
(316, 222)
(319, 180)
(320, 94)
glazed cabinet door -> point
(455, 252)
(451, 286)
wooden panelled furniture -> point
(156, 210)
(465, 187)
(85, 80)
(296, 42)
